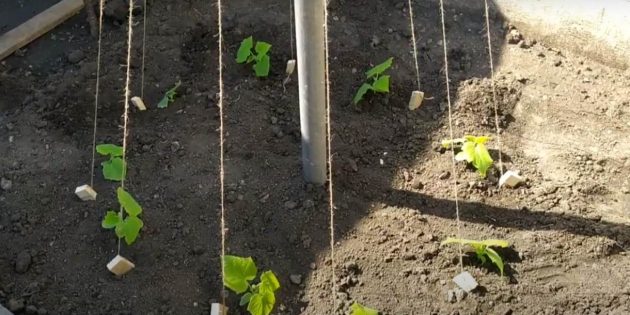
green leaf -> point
(129, 229)
(113, 169)
(169, 96)
(481, 159)
(245, 50)
(128, 202)
(262, 66)
(109, 149)
(382, 84)
(461, 156)
(377, 70)
(361, 92)
(468, 150)
(245, 299)
(495, 258)
(477, 140)
(358, 309)
(261, 303)
(268, 281)
(262, 48)
(238, 272)
(111, 220)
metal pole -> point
(309, 28)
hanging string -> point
(127, 96)
(221, 148)
(450, 128)
(331, 202)
(494, 93)
(144, 36)
(291, 26)
(101, 5)
(415, 46)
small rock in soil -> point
(450, 296)
(296, 279)
(460, 294)
(290, 204)
(417, 184)
(5, 184)
(15, 305)
(76, 56)
(445, 175)
(23, 262)
(514, 37)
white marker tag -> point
(416, 100)
(465, 281)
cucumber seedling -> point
(114, 168)
(474, 151)
(125, 227)
(482, 249)
(259, 55)
(239, 272)
(169, 96)
(358, 309)
(377, 81)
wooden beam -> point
(38, 26)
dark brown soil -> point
(564, 122)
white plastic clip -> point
(120, 265)
(137, 101)
(218, 309)
(465, 281)
(85, 192)
(416, 99)
(290, 67)
(510, 179)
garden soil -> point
(564, 122)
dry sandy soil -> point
(565, 122)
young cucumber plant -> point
(358, 309)
(474, 151)
(239, 272)
(482, 249)
(125, 227)
(169, 96)
(114, 168)
(379, 81)
(259, 55)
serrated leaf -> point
(361, 92)
(113, 169)
(109, 149)
(358, 309)
(245, 299)
(261, 303)
(128, 203)
(481, 159)
(382, 84)
(268, 281)
(261, 67)
(262, 48)
(130, 228)
(110, 220)
(239, 271)
(245, 50)
(495, 258)
(379, 69)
